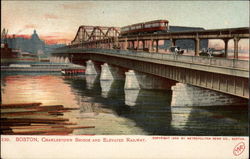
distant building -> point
(51, 47)
(7, 52)
(33, 45)
(185, 43)
(36, 44)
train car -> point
(147, 27)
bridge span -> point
(98, 38)
(225, 75)
(217, 81)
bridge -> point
(136, 58)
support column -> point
(236, 47)
(66, 60)
(109, 43)
(116, 42)
(143, 44)
(110, 72)
(91, 68)
(109, 76)
(137, 43)
(157, 45)
(188, 95)
(138, 80)
(226, 47)
(61, 59)
(131, 81)
(150, 45)
(126, 44)
(173, 42)
(133, 45)
(197, 46)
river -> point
(113, 111)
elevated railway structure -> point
(105, 45)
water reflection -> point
(151, 110)
(91, 80)
(215, 120)
(46, 89)
(131, 96)
(110, 87)
(106, 86)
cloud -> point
(25, 36)
(226, 22)
(77, 5)
(48, 39)
(51, 16)
(56, 39)
(27, 26)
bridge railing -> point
(213, 61)
(241, 64)
(221, 62)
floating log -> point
(11, 114)
(44, 132)
(50, 107)
(86, 135)
(81, 127)
(34, 119)
(19, 105)
(55, 131)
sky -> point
(58, 21)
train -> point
(146, 27)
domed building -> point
(32, 45)
(36, 44)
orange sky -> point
(58, 21)
(49, 39)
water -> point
(113, 111)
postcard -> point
(124, 79)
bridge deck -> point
(232, 67)
(225, 75)
(201, 34)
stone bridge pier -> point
(135, 81)
(91, 74)
(109, 72)
(58, 59)
(188, 95)
(109, 75)
(92, 68)
(138, 80)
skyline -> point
(58, 21)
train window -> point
(147, 25)
(138, 27)
(163, 24)
(125, 29)
(133, 28)
(155, 25)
